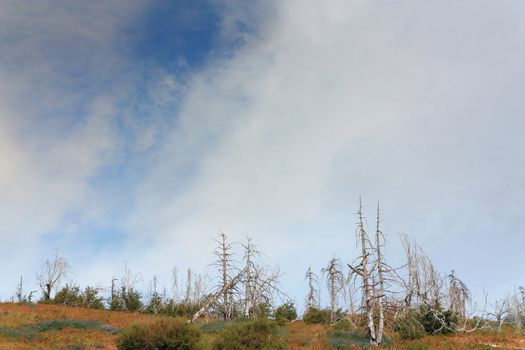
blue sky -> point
(132, 132)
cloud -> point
(58, 125)
(305, 107)
(416, 105)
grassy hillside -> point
(67, 328)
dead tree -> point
(216, 295)
(187, 295)
(312, 298)
(424, 285)
(265, 289)
(51, 274)
(335, 283)
(250, 251)
(364, 270)
(380, 266)
(458, 295)
(224, 264)
(500, 310)
(371, 269)
(20, 292)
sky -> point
(131, 133)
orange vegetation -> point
(299, 335)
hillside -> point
(61, 328)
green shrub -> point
(174, 309)
(436, 320)
(426, 320)
(257, 335)
(68, 296)
(33, 330)
(58, 325)
(342, 335)
(91, 298)
(73, 296)
(162, 334)
(286, 312)
(315, 315)
(410, 326)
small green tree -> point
(286, 312)
(68, 296)
(162, 334)
(314, 315)
(257, 335)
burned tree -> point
(371, 270)
(458, 295)
(312, 298)
(51, 274)
(250, 251)
(335, 283)
(381, 270)
(224, 264)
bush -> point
(286, 312)
(426, 320)
(68, 296)
(174, 309)
(260, 334)
(315, 315)
(127, 300)
(162, 334)
(436, 320)
(342, 335)
(410, 326)
(72, 296)
(91, 299)
(33, 330)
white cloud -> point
(57, 127)
(418, 105)
(405, 103)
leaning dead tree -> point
(335, 282)
(254, 286)
(216, 295)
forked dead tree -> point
(371, 269)
(51, 274)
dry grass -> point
(299, 335)
(15, 316)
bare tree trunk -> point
(311, 298)
(380, 270)
(367, 287)
(224, 265)
(334, 283)
(187, 297)
(248, 294)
